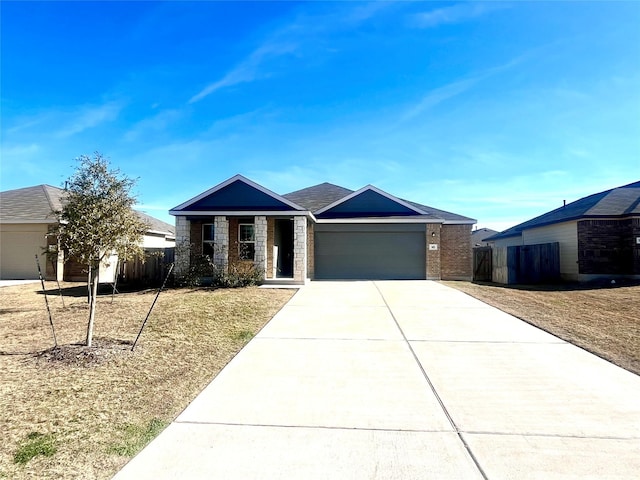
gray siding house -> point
(598, 235)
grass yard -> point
(604, 321)
(79, 413)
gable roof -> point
(321, 197)
(480, 235)
(369, 201)
(616, 202)
(237, 194)
(36, 205)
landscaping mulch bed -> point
(603, 319)
(69, 411)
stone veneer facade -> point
(299, 249)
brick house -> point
(322, 232)
(598, 235)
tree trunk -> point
(93, 275)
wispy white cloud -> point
(89, 117)
(453, 89)
(248, 70)
(291, 39)
(439, 95)
(154, 124)
(457, 13)
(66, 122)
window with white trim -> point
(208, 235)
(246, 241)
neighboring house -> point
(26, 219)
(598, 235)
(478, 237)
(322, 232)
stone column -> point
(260, 258)
(300, 249)
(221, 242)
(183, 246)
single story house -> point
(322, 232)
(598, 235)
(26, 219)
(479, 235)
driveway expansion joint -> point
(323, 427)
(433, 388)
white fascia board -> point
(245, 180)
(376, 190)
(460, 222)
(158, 232)
(240, 213)
(379, 220)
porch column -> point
(260, 258)
(221, 242)
(300, 248)
(183, 246)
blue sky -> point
(494, 110)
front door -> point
(283, 241)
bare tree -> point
(97, 221)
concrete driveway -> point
(403, 380)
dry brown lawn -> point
(604, 321)
(97, 408)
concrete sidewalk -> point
(406, 379)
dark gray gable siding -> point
(368, 204)
(238, 196)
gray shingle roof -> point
(36, 204)
(318, 196)
(30, 204)
(441, 214)
(616, 202)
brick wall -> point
(456, 260)
(433, 256)
(635, 233)
(608, 247)
(195, 234)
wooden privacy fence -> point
(149, 272)
(528, 264)
(482, 264)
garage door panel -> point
(371, 254)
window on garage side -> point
(208, 232)
(246, 241)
